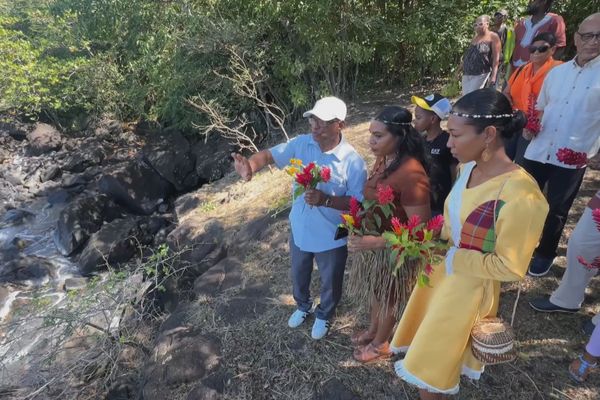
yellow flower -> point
(349, 219)
(296, 161)
(291, 171)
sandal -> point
(362, 338)
(370, 352)
(580, 369)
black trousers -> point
(562, 187)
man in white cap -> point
(316, 214)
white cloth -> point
(584, 242)
(471, 83)
(454, 206)
(530, 31)
(570, 100)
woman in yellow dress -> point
(494, 216)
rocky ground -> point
(221, 332)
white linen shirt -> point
(570, 100)
(314, 227)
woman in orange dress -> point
(525, 85)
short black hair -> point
(547, 37)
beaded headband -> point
(384, 121)
(486, 116)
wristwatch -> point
(328, 201)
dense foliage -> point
(145, 58)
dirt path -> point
(264, 359)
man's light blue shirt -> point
(313, 228)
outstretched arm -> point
(246, 167)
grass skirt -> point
(371, 276)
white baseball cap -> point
(327, 109)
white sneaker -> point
(297, 318)
(320, 328)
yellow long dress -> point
(435, 328)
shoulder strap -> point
(514, 310)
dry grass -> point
(264, 359)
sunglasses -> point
(540, 49)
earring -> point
(486, 154)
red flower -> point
(596, 217)
(309, 168)
(413, 222)
(325, 174)
(397, 226)
(355, 206)
(533, 122)
(571, 157)
(420, 235)
(304, 179)
(428, 269)
(589, 265)
(435, 224)
(385, 194)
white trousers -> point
(584, 242)
(471, 83)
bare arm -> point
(496, 49)
(246, 167)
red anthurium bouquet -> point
(533, 122)
(571, 157)
(595, 264)
(416, 240)
(362, 219)
(307, 177)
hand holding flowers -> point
(415, 240)
(307, 177)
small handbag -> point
(492, 338)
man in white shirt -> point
(569, 104)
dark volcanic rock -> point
(114, 243)
(29, 271)
(78, 221)
(213, 159)
(136, 187)
(43, 139)
(181, 356)
(169, 154)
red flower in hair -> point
(385, 194)
(325, 174)
(570, 157)
(435, 224)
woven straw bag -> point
(493, 339)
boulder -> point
(27, 271)
(213, 159)
(181, 356)
(78, 222)
(89, 153)
(15, 129)
(137, 187)
(226, 274)
(116, 242)
(43, 139)
(169, 154)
